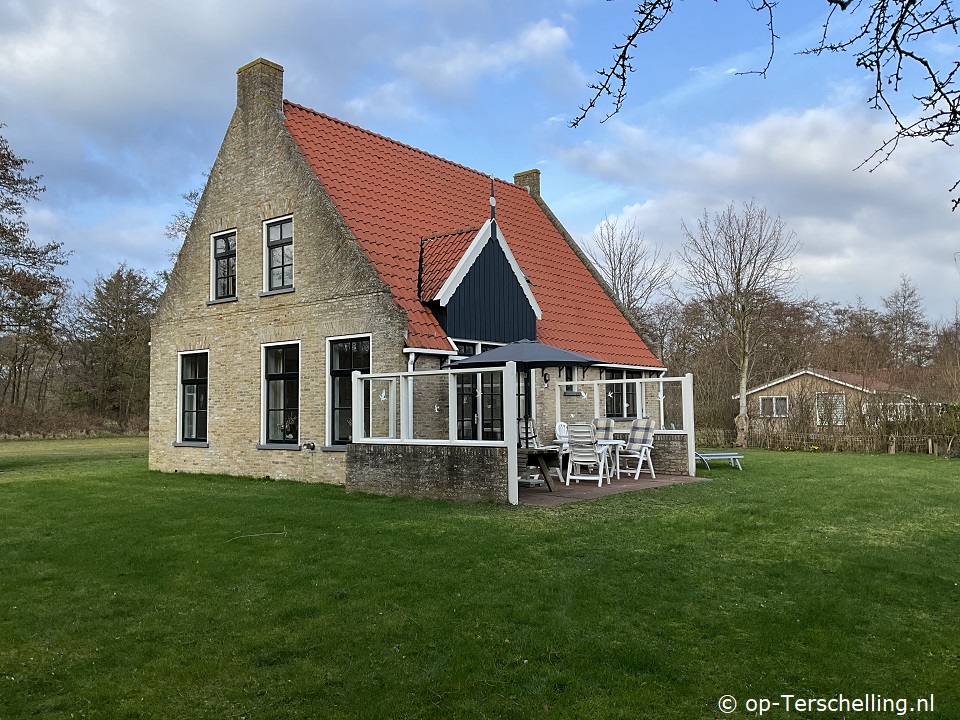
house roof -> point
(440, 255)
(392, 196)
(854, 381)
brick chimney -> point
(260, 81)
(529, 180)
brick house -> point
(319, 248)
(824, 399)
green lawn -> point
(127, 594)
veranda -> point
(455, 434)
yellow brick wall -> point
(259, 175)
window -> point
(225, 266)
(281, 365)
(346, 356)
(774, 406)
(279, 255)
(621, 399)
(193, 397)
(466, 349)
(831, 409)
(469, 348)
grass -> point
(131, 594)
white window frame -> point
(213, 264)
(773, 399)
(264, 443)
(180, 439)
(266, 255)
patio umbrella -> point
(527, 354)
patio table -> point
(612, 449)
(543, 458)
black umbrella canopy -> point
(527, 354)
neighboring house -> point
(824, 398)
(319, 248)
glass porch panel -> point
(577, 408)
(382, 410)
(672, 404)
(431, 408)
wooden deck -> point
(575, 492)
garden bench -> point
(731, 455)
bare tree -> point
(853, 340)
(632, 267)
(900, 43)
(738, 265)
(906, 326)
(946, 353)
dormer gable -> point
(476, 287)
(489, 232)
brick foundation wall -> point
(670, 454)
(444, 472)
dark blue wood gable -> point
(489, 304)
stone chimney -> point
(260, 81)
(529, 180)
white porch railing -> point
(668, 400)
(394, 421)
(421, 408)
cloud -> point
(859, 229)
(393, 99)
(452, 69)
(450, 72)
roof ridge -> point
(365, 131)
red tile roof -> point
(392, 195)
(441, 253)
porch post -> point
(511, 432)
(452, 406)
(686, 389)
(356, 411)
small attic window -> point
(278, 254)
(224, 269)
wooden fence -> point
(946, 445)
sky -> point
(122, 106)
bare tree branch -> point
(613, 80)
(895, 45)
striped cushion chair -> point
(605, 427)
(638, 448)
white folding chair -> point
(638, 447)
(585, 455)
